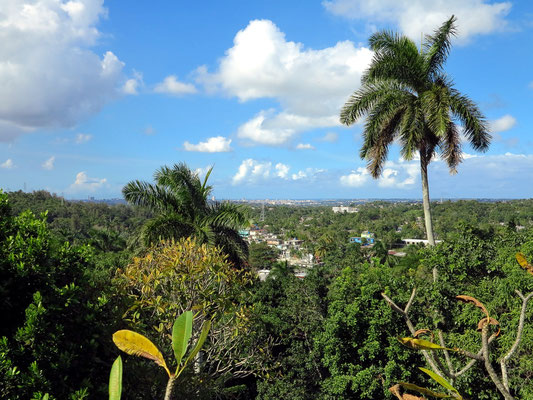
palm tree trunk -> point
(425, 203)
(425, 200)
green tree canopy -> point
(179, 201)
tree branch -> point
(520, 330)
(488, 365)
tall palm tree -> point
(179, 201)
(406, 96)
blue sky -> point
(95, 94)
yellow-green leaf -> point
(136, 344)
(421, 344)
(425, 391)
(441, 381)
(181, 334)
(115, 380)
(523, 263)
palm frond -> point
(362, 101)
(436, 109)
(144, 194)
(473, 121)
(396, 57)
(165, 227)
(437, 46)
(451, 147)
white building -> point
(344, 209)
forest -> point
(96, 299)
(73, 273)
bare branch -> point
(446, 354)
(520, 330)
(488, 365)
(410, 302)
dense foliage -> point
(329, 335)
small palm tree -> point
(179, 201)
(407, 97)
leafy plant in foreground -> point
(136, 344)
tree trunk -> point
(425, 200)
(426, 205)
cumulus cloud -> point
(82, 138)
(310, 85)
(48, 74)
(399, 175)
(282, 170)
(217, 144)
(84, 183)
(8, 164)
(171, 85)
(49, 164)
(308, 174)
(356, 178)
(502, 124)
(304, 146)
(251, 170)
(474, 17)
(131, 86)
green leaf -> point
(200, 342)
(181, 334)
(115, 380)
(425, 391)
(440, 380)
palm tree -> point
(407, 97)
(179, 201)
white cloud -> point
(171, 85)
(132, 85)
(308, 174)
(217, 144)
(304, 146)
(251, 170)
(474, 17)
(299, 175)
(8, 164)
(399, 175)
(502, 124)
(85, 183)
(310, 85)
(48, 74)
(49, 164)
(83, 138)
(282, 170)
(330, 137)
(355, 178)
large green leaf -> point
(181, 334)
(115, 380)
(441, 381)
(200, 342)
